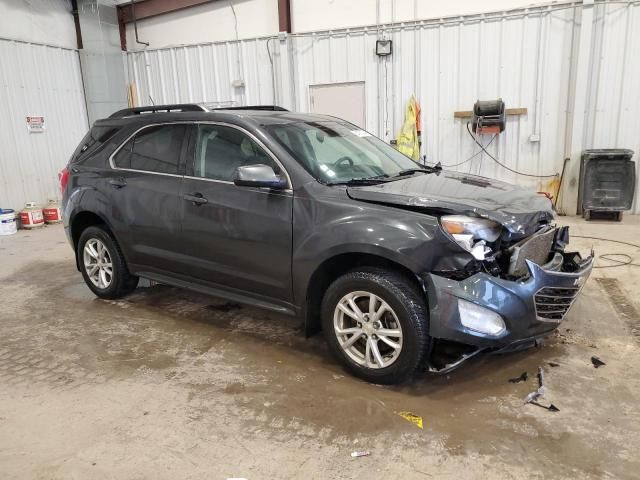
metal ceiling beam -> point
(122, 26)
(76, 21)
(151, 8)
(284, 15)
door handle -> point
(195, 198)
(118, 182)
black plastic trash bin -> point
(607, 182)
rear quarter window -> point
(95, 138)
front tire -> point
(102, 264)
(376, 325)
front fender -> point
(329, 227)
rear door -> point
(145, 187)
(235, 237)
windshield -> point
(335, 152)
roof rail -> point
(179, 107)
(271, 108)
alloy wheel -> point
(367, 329)
(97, 263)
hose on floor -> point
(622, 259)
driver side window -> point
(220, 150)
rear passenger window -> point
(154, 149)
(220, 150)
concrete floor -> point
(167, 384)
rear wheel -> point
(375, 323)
(102, 264)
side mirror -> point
(258, 176)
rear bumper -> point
(530, 309)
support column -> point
(284, 83)
(284, 78)
(284, 15)
(103, 75)
(578, 104)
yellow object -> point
(410, 417)
(452, 227)
(553, 187)
(408, 141)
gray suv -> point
(403, 267)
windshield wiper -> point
(360, 181)
(411, 171)
(426, 169)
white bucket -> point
(8, 222)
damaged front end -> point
(512, 291)
(501, 279)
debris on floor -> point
(365, 453)
(597, 363)
(411, 417)
(539, 393)
(541, 378)
(536, 395)
(554, 364)
(551, 407)
(533, 396)
(522, 378)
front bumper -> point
(531, 308)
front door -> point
(235, 237)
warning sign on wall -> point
(35, 124)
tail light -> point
(63, 177)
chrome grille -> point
(552, 303)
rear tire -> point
(376, 324)
(102, 264)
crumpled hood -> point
(518, 209)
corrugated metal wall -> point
(614, 89)
(448, 65)
(37, 80)
(525, 56)
(204, 73)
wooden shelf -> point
(469, 113)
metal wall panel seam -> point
(8, 39)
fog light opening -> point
(479, 319)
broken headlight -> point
(471, 233)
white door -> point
(343, 100)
